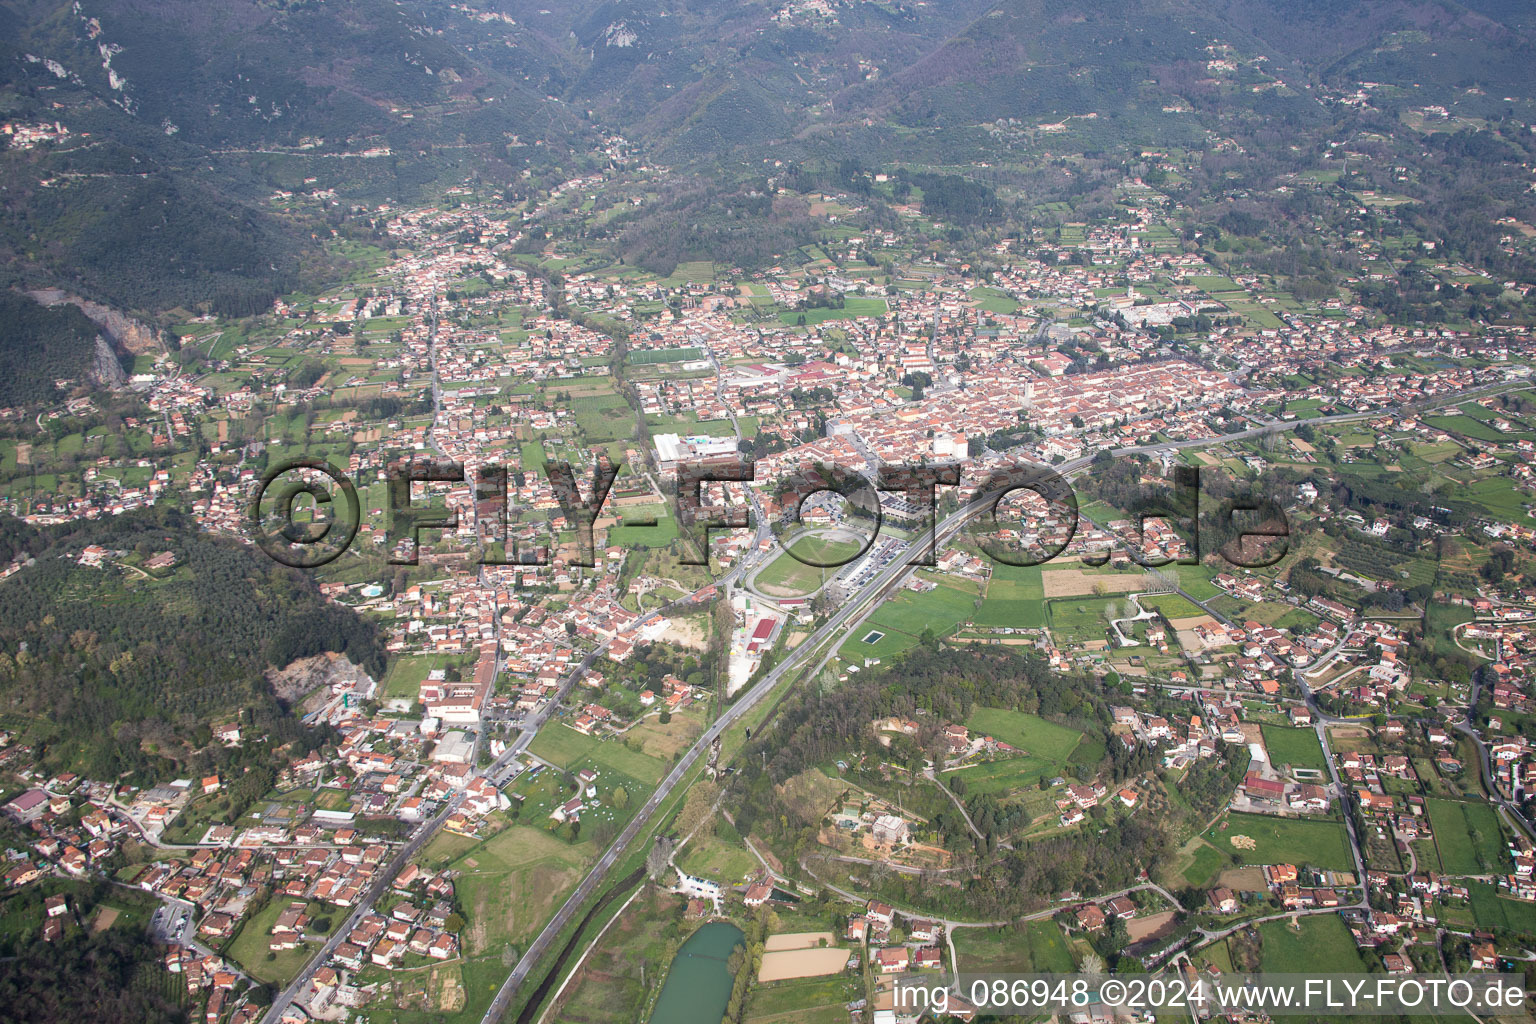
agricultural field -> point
(804, 1000)
(1322, 844)
(1205, 861)
(1490, 910)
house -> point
(288, 930)
(758, 894)
(568, 811)
(892, 959)
(1483, 955)
(1224, 901)
(1090, 918)
(56, 906)
(890, 829)
(857, 926)
(880, 913)
(922, 931)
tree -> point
(698, 809)
(659, 858)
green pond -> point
(699, 984)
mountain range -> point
(186, 118)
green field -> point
(993, 300)
(1467, 835)
(1046, 747)
(1172, 606)
(658, 536)
(889, 644)
(1203, 865)
(833, 552)
(940, 610)
(510, 884)
(645, 357)
(563, 746)
(804, 1000)
(407, 673)
(603, 417)
(249, 947)
(853, 306)
(1080, 620)
(790, 576)
(1491, 910)
(1007, 776)
(1321, 844)
(1033, 946)
(1469, 427)
(1015, 597)
(1029, 733)
(1296, 747)
(1322, 943)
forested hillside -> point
(39, 345)
(114, 671)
